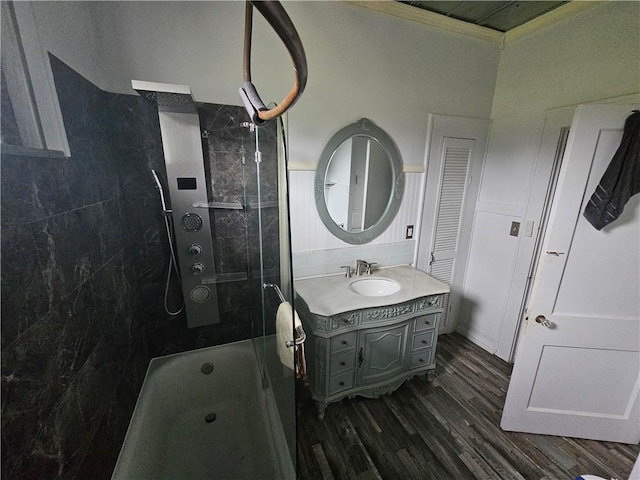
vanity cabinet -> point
(369, 351)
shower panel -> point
(182, 145)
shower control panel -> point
(186, 178)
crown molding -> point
(424, 17)
(448, 24)
(556, 15)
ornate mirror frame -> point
(363, 127)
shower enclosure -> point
(224, 405)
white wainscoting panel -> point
(309, 234)
(488, 274)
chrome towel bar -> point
(276, 288)
(300, 335)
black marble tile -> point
(234, 297)
(69, 296)
(91, 172)
(69, 248)
(75, 420)
(135, 124)
(270, 259)
(223, 118)
(152, 260)
(23, 289)
(114, 297)
(173, 336)
(265, 220)
(33, 188)
(228, 223)
(226, 173)
(231, 255)
(101, 456)
(134, 167)
(228, 151)
(145, 219)
(113, 229)
(83, 105)
(38, 369)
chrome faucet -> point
(363, 267)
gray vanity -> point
(368, 334)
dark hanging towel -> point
(620, 181)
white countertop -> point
(330, 294)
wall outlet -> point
(409, 232)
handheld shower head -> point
(155, 177)
(165, 211)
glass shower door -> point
(270, 267)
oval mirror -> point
(359, 182)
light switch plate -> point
(528, 228)
(409, 232)
(515, 229)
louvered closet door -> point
(456, 156)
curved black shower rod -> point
(277, 17)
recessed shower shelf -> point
(220, 205)
(268, 204)
(225, 277)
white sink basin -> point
(374, 287)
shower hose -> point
(173, 264)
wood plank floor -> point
(447, 429)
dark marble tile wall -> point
(69, 331)
(232, 176)
(235, 237)
(138, 149)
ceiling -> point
(500, 16)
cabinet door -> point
(382, 351)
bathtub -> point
(192, 425)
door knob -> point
(541, 319)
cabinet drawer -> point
(342, 363)
(422, 340)
(340, 383)
(425, 322)
(421, 358)
(343, 342)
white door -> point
(455, 158)
(579, 374)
